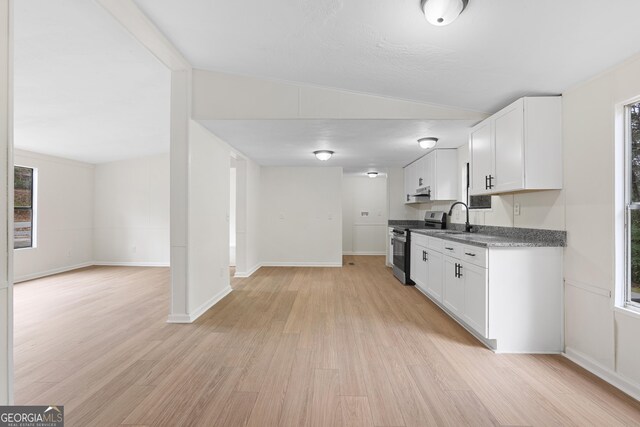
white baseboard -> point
(50, 272)
(53, 271)
(131, 264)
(243, 274)
(191, 317)
(178, 318)
(603, 372)
(364, 253)
(301, 264)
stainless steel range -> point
(402, 244)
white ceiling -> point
(497, 51)
(360, 145)
(84, 88)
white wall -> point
(208, 234)
(301, 216)
(398, 210)
(232, 214)
(64, 216)
(364, 234)
(597, 334)
(6, 258)
(219, 95)
(248, 214)
(131, 221)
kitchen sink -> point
(468, 235)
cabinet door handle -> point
(449, 249)
(456, 272)
(407, 197)
(459, 271)
(470, 254)
(420, 181)
(491, 178)
(426, 256)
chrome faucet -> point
(467, 226)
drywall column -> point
(242, 268)
(180, 111)
(6, 200)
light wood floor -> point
(290, 346)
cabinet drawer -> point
(435, 244)
(450, 248)
(474, 255)
(419, 239)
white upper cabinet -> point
(409, 184)
(438, 171)
(481, 157)
(518, 148)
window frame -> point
(34, 208)
(629, 206)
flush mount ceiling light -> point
(443, 12)
(427, 143)
(323, 155)
(372, 174)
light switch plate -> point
(516, 208)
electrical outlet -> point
(516, 208)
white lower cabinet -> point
(435, 274)
(418, 265)
(465, 293)
(511, 298)
(476, 289)
(453, 297)
(427, 268)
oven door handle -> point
(400, 239)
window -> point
(476, 202)
(23, 211)
(632, 127)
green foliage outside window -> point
(634, 111)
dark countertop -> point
(491, 236)
(532, 239)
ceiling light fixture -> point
(427, 143)
(443, 12)
(372, 174)
(323, 155)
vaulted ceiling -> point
(497, 51)
(84, 88)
